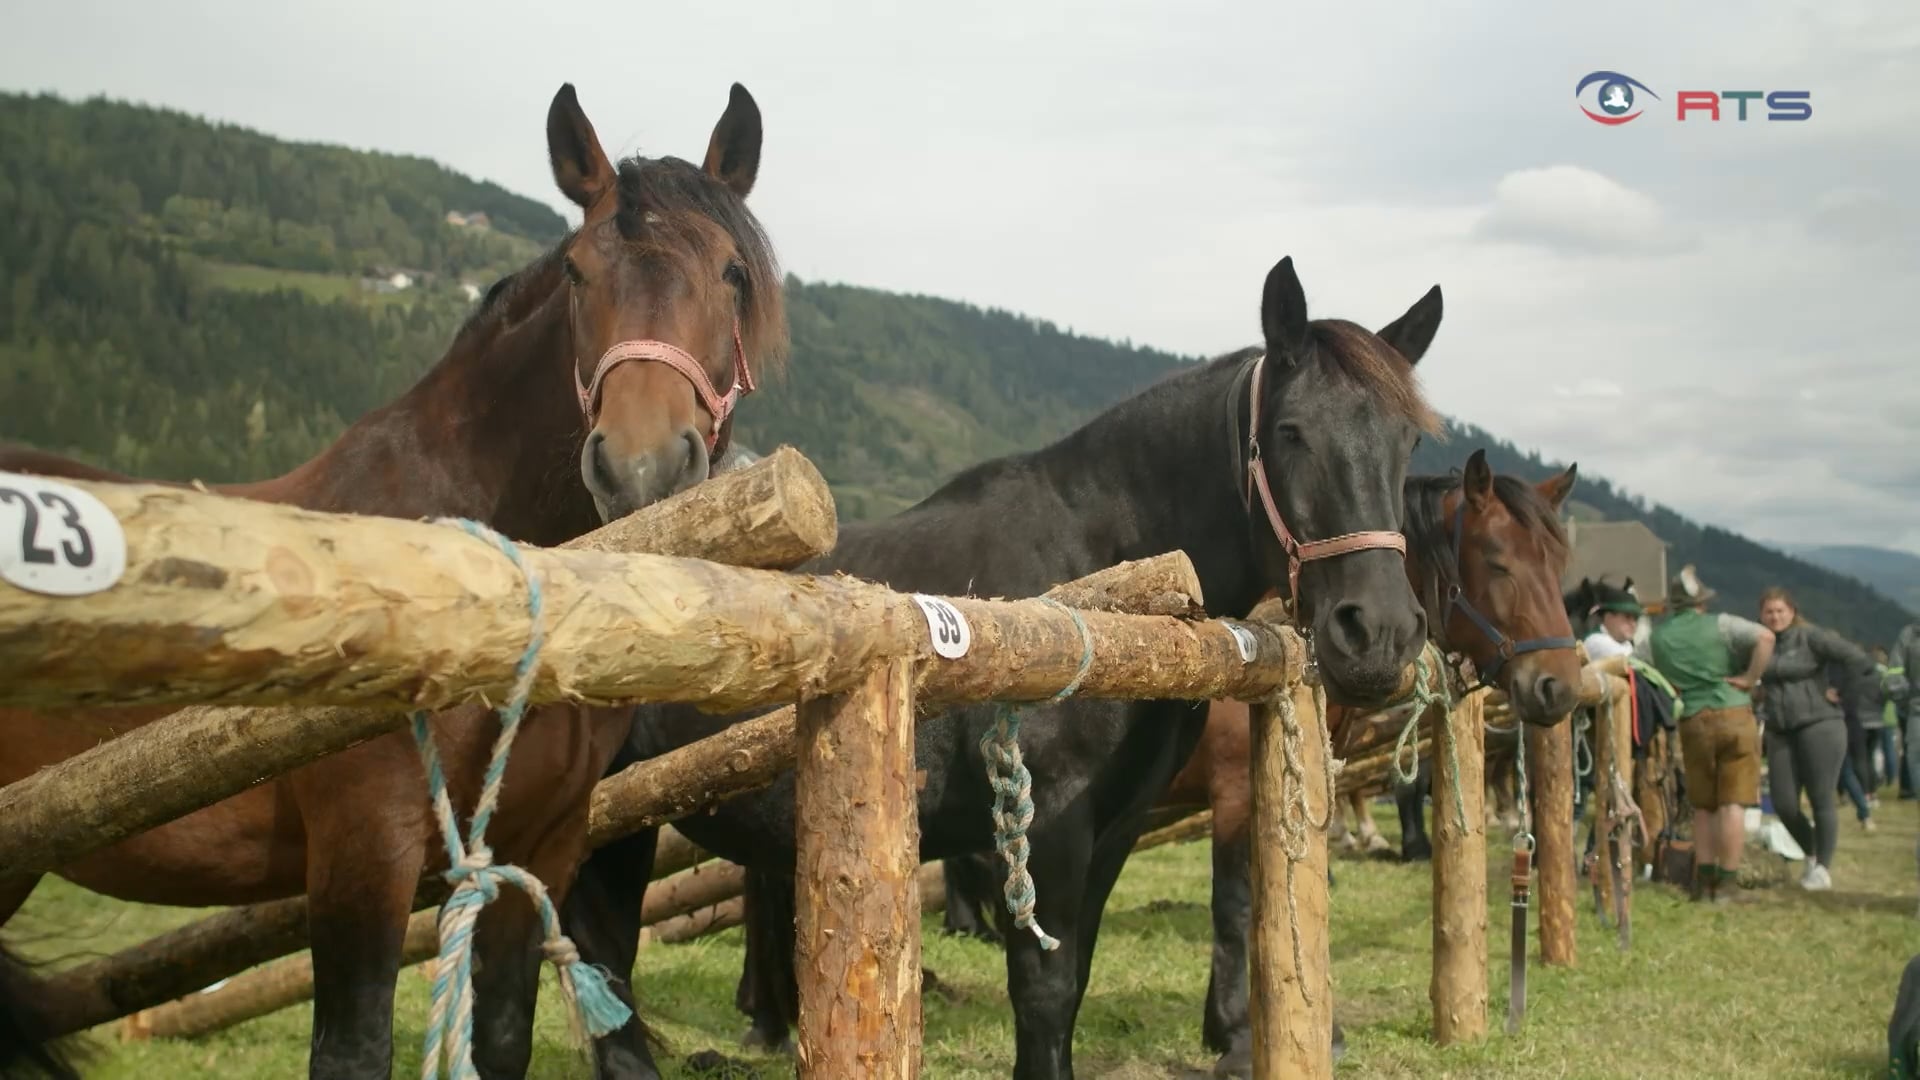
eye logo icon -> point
(1614, 96)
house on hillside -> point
(476, 220)
(1619, 550)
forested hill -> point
(180, 299)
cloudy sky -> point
(1718, 317)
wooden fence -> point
(313, 632)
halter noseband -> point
(1298, 552)
(1505, 648)
(719, 406)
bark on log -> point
(722, 916)
(1458, 989)
(858, 925)
(692, 889)
(1161, 585)
(743, 757)
(673, 852)
(255, 603)
(1613, 767)
(1550, 776)
(1292, 1030)
(777, 512)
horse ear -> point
(1412, 333)
(1283, 312)
(580, 167)
(1478, 481)
(1555, 489)
(733, 153)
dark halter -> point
(1505, 648)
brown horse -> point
(1497, 540)
(571, 397)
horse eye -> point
(573, 271)
(736, 275)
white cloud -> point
(1566, 207)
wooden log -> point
(673, 852)
(858, 912)
(722, 916)
(1550, 780)
(256, 603)
(776, 512)
(1613, 761)
(692, 889)
(1458, 988)
(1290, 1006)
(743, 757)
(1165, 584)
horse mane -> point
(1429, 530)
(1357, 354)
(668, 204)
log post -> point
(1613, 753)
(1290, 1006)
(1550, 778)
(1458, 989)
(858, 857)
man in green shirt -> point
(1701, 655)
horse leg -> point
(1045, 986)
(1410, 799)
(1226, 1028)
(769, 990)
(601, 915)
(357, 918)
(507, 951)
(969, 888)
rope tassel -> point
(476, 880)
(1013, 793)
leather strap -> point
(1296, 551)
(719, 406)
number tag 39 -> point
(951, 634)
(56, 539)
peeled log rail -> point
(262, 604)
(776, 512)
(743, 757)
(288, 982)
(1550, 778)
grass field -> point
(1792, 985)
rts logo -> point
(1617, 102)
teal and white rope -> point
(1430, 688)
(476, 880)
(1013, 792)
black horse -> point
(1327, 414)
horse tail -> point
(27, 1047)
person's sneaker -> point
(1867, 825)
(1817, 878)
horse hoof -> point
(1236, 1063)
(761, 1040)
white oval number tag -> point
(1243, 637)
(56, 539)
(951, 634)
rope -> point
(1013, 791)
(1625, 813)
(1429, 670)
(1296, 814)
(1582, 724)
(476, 880)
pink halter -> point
(720, 407)
(1298, 552)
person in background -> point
(1905, 658)
(1619, 615)
(1857, 689)
(1701, 655)
(1806, 733)
(1883, 720)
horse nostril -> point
(1351, 620)
(593, 455)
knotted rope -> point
(1013, 791)
(476, 880)
(1430, 688)
(1296, 814)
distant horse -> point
(582, 389)
(1495, 539)
(1229, 461)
